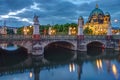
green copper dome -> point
(80, 17)
(96, 12)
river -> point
(61, 64)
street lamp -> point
(69, 31)
(72, 31)
(116, 21)
(25, 30)
(30, 26)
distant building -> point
(98, 22)
(4, 29)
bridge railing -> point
(60, 37)
(95, 37)
(15, 37)
(44, 37)
(55, 37)
(116, 36)
(100, 37)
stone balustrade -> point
(58, 37)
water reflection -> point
(114, 70)
(99, 64)
(72, 67)
(9, 46)
(61, 67)
(31, 74)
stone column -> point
(80, 37)
(36, 33)
(109, 42)
(80, 28)
(36, 73)
(109, 32)
(37, 47)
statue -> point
(35, 19)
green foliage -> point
(60, 28)
(88, 31)
(10, 31)
(20, 30)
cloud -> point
(78, 2)
(57, 11)
(35, 6)
(21, 11)
(17, 12)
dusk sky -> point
(19, 13)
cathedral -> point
(98, 22)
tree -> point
(20, 30)
(88, 31)
(10, 31)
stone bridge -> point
(66, 41)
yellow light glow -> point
(74, 28)
(70, 28)
(24, 30)
(30, 26)
(27, 30)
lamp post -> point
(72, 31)
(116, 21)
(69, 31)
(25, 30)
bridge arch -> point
(60, 54)
(64, 44)
(95, 47)
(18, 43)
(95, 43)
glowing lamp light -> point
(115, 20)
(31, 74)
(30, 26)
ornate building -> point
(98, 22)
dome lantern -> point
(96, 5)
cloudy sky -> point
(19, 13)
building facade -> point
(98, 22)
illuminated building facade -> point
(98, 22)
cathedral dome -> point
(96, 12)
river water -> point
(63, 65)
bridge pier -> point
(82, 46)
(37, 49)
(117, 45)
(80, 38)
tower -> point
(80, 35)
(37, 48)
(80, 27)
(109, 32)
(36, 33)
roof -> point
(96, 12)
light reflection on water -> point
(82, 68)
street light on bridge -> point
(116, 26)
(51, 31)
(25, 30)
(72, 31)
